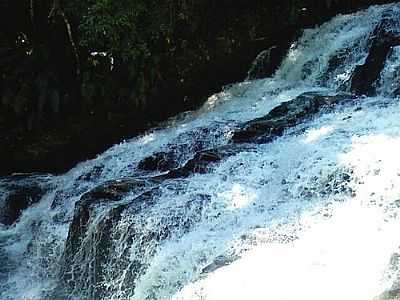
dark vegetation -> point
(77, 76)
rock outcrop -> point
(286, 115)
(92, 236)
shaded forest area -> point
(77, 76)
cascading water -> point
(192, 211)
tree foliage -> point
(96, 54)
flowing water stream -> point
(313, 214)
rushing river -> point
(312, 214)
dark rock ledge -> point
(287, 115)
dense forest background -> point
(77, 76)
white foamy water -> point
(312, 215)
(343, 246)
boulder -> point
(88, 263)
(286, 115)
(198, 164)
(79, 186)
(111, 191)
(86, 251)
(160, 161)
(180, 149)
(203, 160)
(87, 234)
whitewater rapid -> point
(312, 215)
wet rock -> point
(389, 81)
(93, 174)
(180, 149)
(20, 192)
(146, 240)
(219, 262)
(17, 201)
(87, 234)
(111, 191)
(198, 164)
(286, 115)
(382, 41)
(265, 63)
(335, 62)
(203, 160)
(91, 258)
(161, 161)
(87, 250)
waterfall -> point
(281, 188)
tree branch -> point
(57, 10)
(32, 12)
(72, 42)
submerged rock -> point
(286, 115)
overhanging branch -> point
(57, 10)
